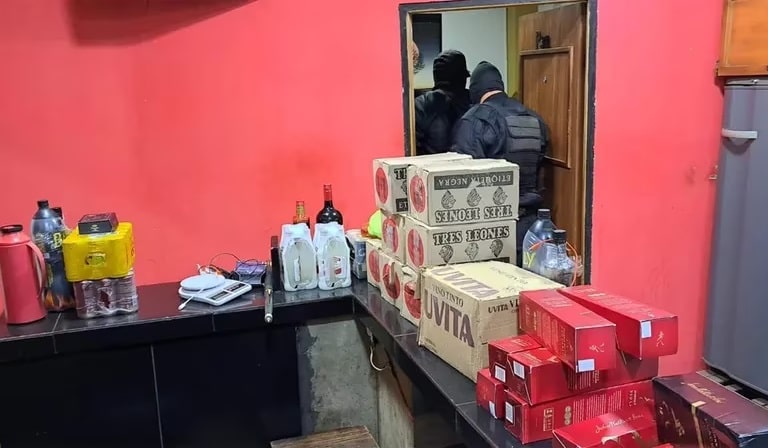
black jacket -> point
(436, 113)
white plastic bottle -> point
(333, 263)
(298, 258)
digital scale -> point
(212, 289)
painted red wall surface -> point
(202, 121)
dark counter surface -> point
(159, 319)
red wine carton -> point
(538, 375)
(390, 178)
(531, 423)
(641, 330)
(490, 394)
(692, 410)
(500, 349)
(465, 306)
(627, 428)
(581, 339)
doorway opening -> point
(545, 51)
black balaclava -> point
(485, 78)
(449, 70)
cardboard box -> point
(627, 428)
(641, 330)
(464, 306)
(434, 246)
(490, 394)
(464, 192)
(533, 423)
(393, 235)
(410, 306)
(538, 375)
(392, 279)
(692, 410)
(390, 178)
(373, 261)
(579, 337)
(500, 349)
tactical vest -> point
(525, 148)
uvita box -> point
(464, 192)
(390, 178)
(627, 428)
(391, 278)
(642, 331)
(490, 394)
(538, 375)
(393, 234)
(429, 246)
(533, 423)
(582, 339)
(692, 410)
(500, 349)
(464, 306)
(410, 307)
(373, 261)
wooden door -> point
(744, 50)
(552, 82)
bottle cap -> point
(544, 213)
(42, 203)
(13, 228)
(559, 236)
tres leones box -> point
(428, 246)
(390, 178)
(464, 191)
(465, 306)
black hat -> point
(450, 68)
(485, 78)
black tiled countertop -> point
(159, 319)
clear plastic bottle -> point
(536, 238)
(48, 233)
(556, 265)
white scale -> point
(212, 289)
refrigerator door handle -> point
(742, 135)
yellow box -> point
(98, 256)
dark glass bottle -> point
(329, 213)
(48, 232)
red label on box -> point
(628, 428)
(641, 330)
(539, 376)
(490, 394)
(499, 350)
(533, 423)
(579, 337)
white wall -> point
(480, 34)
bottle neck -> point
(562, 249)
(328, 196)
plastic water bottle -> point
(556, 265)
(533, 242)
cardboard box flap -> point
(490, 280)
(416, 160)
(728, 412)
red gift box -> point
(531, 423)
(498, 351)
(490, 394)
(628, 428)
(539, 376)
(641, 330)
(582, 339)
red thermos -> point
(22, 274)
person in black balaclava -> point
(500, 127)
(439, 109)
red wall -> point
(202, 121)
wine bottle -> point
(329, 213)
(301, 216)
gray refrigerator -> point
(736, 339)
